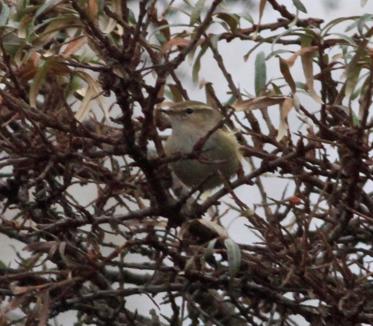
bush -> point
(86, 188)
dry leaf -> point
(307, 64)
(28, 69)
(73, 46)
(18, 290)
(261, 102)
(92, 91)
(210, 95)
(44, 302)
(285, 108)
(92, 9)
(177, 41)
(262, 5)
(285, 70)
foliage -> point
(85, 186)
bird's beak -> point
(168, 111)
(162, 118)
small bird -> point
(193, 122)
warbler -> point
(195, 123)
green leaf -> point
(3, 265)
(45, 7)
(260, 73)
(353, 71)
(276, 53)
(214, 39)
(4, 15)
(299, 5)
(196, 12)
(248, 18)
(231, 20)
(346, 38)
(276, 89)
(38, 82)
(234, 256)
(197, 64)
(361, 23)
(335, 22)
(248, 54)
(131, 17)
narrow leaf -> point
(231, 20)
(176, 93)
(85, 105)
(214, 227)
(38, 82)
(260, 73)
(112, 23)
(92, 9)
(285, 108)
(307, 64)
(262, 102)
(4, 15)
(353, 71)
(44, 308)
(176, 41)
(196, 12)
(284, 68)
(74, 45)
(164, 29)
(234, 256)
(210, 95)
(262, 5)
(300, 6)
(47, 5)
(93, 91)
(197, 64)
(364, 101)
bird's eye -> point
(188, 110)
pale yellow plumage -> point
(191, 121)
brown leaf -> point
(210, 95)
(262, 5)
(44, 305)
(176, 41)
(284, 68)
(285, 108)
(261, 102)
(18, 290)
(92, 9)
(162, 24)
(91, 92)
(73, 46)
(176, 93)
(28, 69)
(307, 64)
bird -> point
(195, 123)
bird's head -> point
(192, 115)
